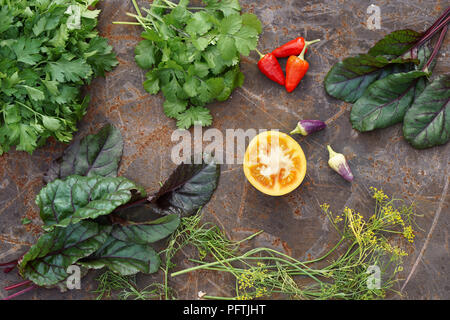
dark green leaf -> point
(385, 102)
(124, 258)
(47, 261)
(65, 202)
(396, 43)
(347, 80)
(427, 122)
(95, 155)
(188, 188)
(146, 232)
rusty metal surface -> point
(292, 224)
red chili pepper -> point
(296, 68)
(269, 65)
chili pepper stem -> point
(331, 151)
(307, 43)
(260, 54)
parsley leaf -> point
(44, 62)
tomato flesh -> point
(274, 163)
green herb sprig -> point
(48, 50)
(192, 54)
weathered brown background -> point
(294, 223)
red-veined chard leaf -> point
(146, 232)
(124, 258)
(427, 122)
(47, 261)
(189, 187)
(395, 43)
(347, 80)
(98, 154)
(64, 202)
(386, 101)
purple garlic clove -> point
(306, 127)
(339, 164)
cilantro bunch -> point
(193, 54)
(48, 50)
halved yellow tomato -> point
(274, 163)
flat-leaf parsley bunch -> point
(193, 54)
(48, 50)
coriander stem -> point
(127, 23)
(136, 7)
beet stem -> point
(438, 21)
(17, 285)
(431, 33)
(6, 264)
(20, 293)
(7, 270)
(437, 47)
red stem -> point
(8, 269)
(439, 20)
(437, 47)
(17, 285)
(20, 293)
(431, 33)
(6, 264)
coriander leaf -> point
(200, 23)
(228, 7)
(251, 20)
(172, 109)
(151, 85)
(427, 122)
(191, 85)
(227, 47)
(192, 116)
(230, 24)
(246, 40)
(145, 54)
